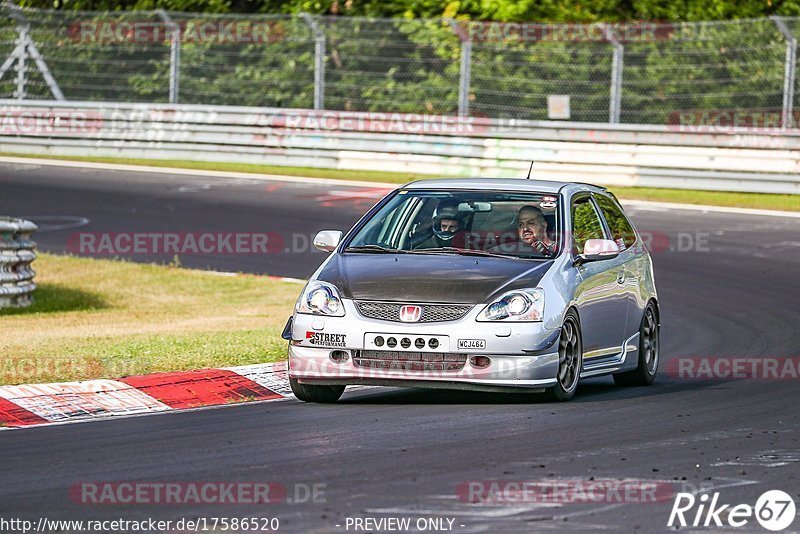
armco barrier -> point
(728, 159)
(17, 251)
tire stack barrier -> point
(17, 252)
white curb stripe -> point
(76, 402)
(273, 376)
(81, 400)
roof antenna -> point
(529, 171)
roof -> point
(501, 184)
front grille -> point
(431, 313)
(409, 361)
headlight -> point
(518, 305)
(320, 298)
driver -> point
(532, 229)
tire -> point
(645, 372)
(570, 360)
(312, 393)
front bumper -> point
(521, 355)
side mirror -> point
(598, 249)
(327, 240)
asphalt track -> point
(403, 453)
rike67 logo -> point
(774, 511)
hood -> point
(445, 278)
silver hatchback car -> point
(481, 284)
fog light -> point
(480, 362)
(339, 356)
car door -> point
(632, 263)
(602, 306)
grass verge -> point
(683, 196)
(107, 319)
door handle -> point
(621, 277)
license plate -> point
(471, 344)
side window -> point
(388, 229)
(621, 229)
(585, 223)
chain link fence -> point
(637, 73)
(83, 68)
(717, 66)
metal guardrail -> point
(631, 155)
(17, 252)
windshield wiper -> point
(375, 248)
(461, 252)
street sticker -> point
(326, 340)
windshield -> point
(522, 225)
